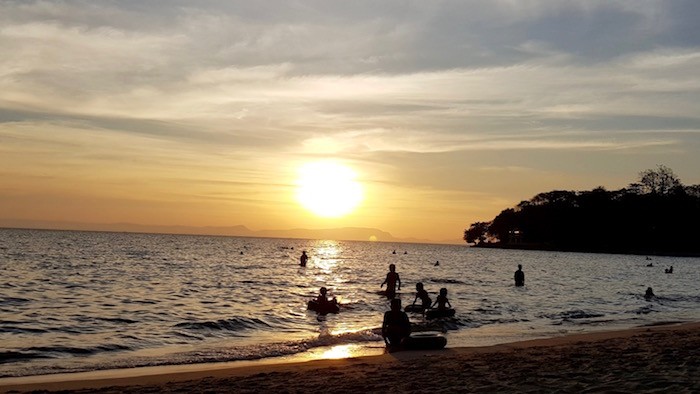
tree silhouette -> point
(656, 215)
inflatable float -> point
(424, 341)
(438, 313)
(329, 307)
(414, 308)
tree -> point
(661, 181)
(476, 232)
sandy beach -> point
(663, 358)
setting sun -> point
(328, 189)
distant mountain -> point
(344, 233)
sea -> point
(84, 301)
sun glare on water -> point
(328, 189)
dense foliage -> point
(656, 215)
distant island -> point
(657, 215)
(340, 234)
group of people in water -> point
(396, 325)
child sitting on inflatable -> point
(322, 298)
(442, 301)
(322, 305)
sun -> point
(328, 189)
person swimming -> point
(649, 293)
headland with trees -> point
(657, 215)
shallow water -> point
(79, 301)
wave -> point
(575, 314)
(447, 281)
(233, 324)
(218, 354)
(13, 301)
(11, 357)
(21, 330)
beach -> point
(660, 358)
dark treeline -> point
(656, 215)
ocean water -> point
(82, 301)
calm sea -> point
(81, 301)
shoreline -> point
(545, 248)
(643, 355)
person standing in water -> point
(391, 281)
(519, 276)
(303, 258)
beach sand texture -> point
(662, 358)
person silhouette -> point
(303, 258)
(423, 295)
(436, 263)
(396, 326)
(322, 298)
(391, 281)
(519, 276)
(649, 294)
(441, 301)
(669, 270)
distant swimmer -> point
(436, 263)
(303, 258)
(394, 252)
(519, 276)
(648, 258)
(650, 265)
(649, 294)
(405, 252)
(391, 281)
(669, 270)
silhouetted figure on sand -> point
(391, 281)
(649, 294)
(441, 301)
(519, 276)
(396, 325)
(303, 258)
(423, 295)
(669, 270)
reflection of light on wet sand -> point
(346, 351)
(340, 351)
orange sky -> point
(201, 115)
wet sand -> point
(663, 358)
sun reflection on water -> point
(326, 255)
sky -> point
(447, 112)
